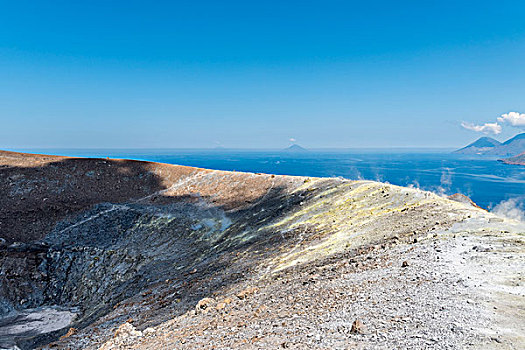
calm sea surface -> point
(485, 180)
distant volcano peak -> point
(295, 148)
(485, 142)
(489, 146)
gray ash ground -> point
(408, 296)
(31, 323)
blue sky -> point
(243, 74)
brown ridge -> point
(37, 190)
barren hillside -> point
(118, 254)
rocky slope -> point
(517, 160)
(119, 254)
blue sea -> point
(486, 181)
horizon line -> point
(16, 149)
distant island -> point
(295, 148)
(516, 160)
(490, 146)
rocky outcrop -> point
(516, 160)
(461, 198)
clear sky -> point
(255, 74)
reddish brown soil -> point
(516, 160)
(37, 191)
